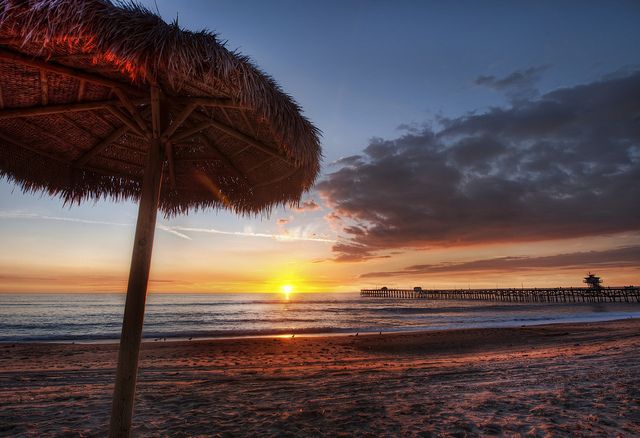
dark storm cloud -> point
(517, 86)
(618, 257)
(564, 165)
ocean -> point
(98, 317)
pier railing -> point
(627, 294)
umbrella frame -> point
(126, 109)
(160, 135)
(130, 339)
(191, 119)
(168, 89)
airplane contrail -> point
(281, 237)
(175, 230)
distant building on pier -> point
(593, 281)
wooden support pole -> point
(44, 87)
(126, 375)
(168, 149)
(81, 89)
(156, 119)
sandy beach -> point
(555, 380)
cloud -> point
(306, 206)
(279, 237)
(171, 229)
(617, 257)
(564, 165)
(519, 85)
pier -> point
(624, 294)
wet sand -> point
(555, 380)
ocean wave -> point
(74, 318)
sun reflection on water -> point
(287, 290)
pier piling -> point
(626, 294)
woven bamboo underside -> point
(210, 168)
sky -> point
(465, 144)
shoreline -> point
(348, 332)
(558, 379)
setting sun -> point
(431, 245)
(287, 289)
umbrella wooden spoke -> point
(136, 127)
(249, 140)
(180, 119)
(189, 132)
(32, 149)
(132, 109)
(100, 146)
(211, 145)
(44, 110)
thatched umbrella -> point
(105, 101)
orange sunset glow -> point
(321, 218)
(42, 263)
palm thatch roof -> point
(75, 111)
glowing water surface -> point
(98, 317)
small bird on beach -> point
(357, 333)
(190, 337)
(293, 336)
